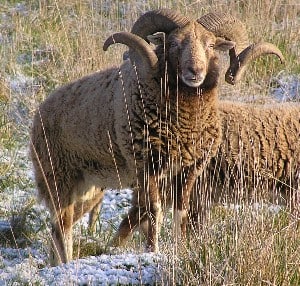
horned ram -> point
(128, 126)
(176, 48)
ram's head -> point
(189, 54)
(188, 46)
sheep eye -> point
(211, 46)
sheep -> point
(183, 181)
(259, 157)
(128, 126)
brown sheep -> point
(128, 126)
(169, 50)
(258, 159)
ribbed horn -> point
(142, 56)
(226, 26)
(252, 52)
(231, 28)
(163, 20)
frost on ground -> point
(286, 87)
(29, 265)
(22, 267)
(107, 270)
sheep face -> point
(191, 53)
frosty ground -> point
(19, 266)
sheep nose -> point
(195, 72)
(193, 76)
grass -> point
(248, 249)
(53, 42)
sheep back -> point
(260, 143)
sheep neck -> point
(185, 118)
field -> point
(46, 43)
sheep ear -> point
(224, 45)
(157, 38)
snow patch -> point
(286, 87)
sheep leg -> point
(94, 214)
(154, 225)
(154, 213)
(62, 212)
(184, 183)
(145, 213)
(91, 205)
(62, 241)
(200, 201)
(134, 218)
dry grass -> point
(245, 248)
(54, 42)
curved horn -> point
(238, 66)
(145, 59)
(226, 26)
(163, 20)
